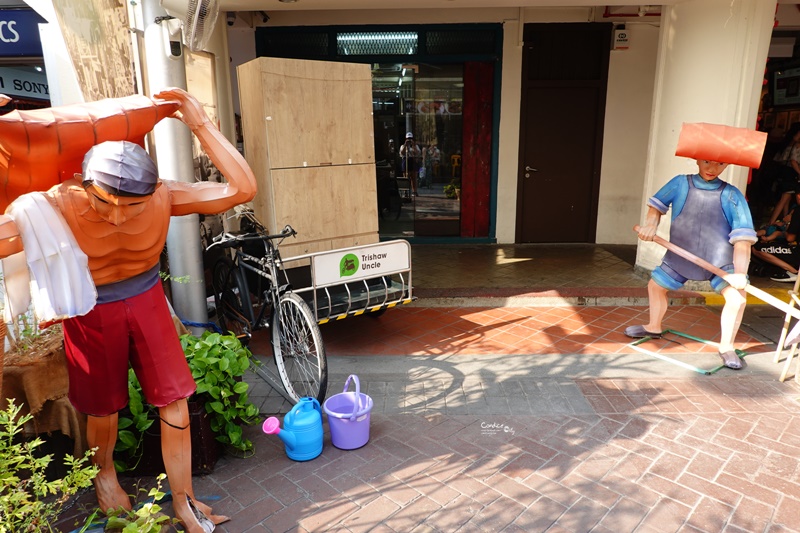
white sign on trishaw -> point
(360, 262)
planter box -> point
(206, 450)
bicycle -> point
(296, 340)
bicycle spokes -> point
(299, 353)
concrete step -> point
(570, 296)
(527, 297)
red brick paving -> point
(523, 331)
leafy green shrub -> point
(132, 424)
(143, 518)
(28, 501)
(217, 363)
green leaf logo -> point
(348, 265)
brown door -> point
(564, 75)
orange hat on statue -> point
(724, 144)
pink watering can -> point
(302, 430)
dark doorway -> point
(564, 78)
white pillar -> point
(710, 66)
(173, 142)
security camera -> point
(230, 17)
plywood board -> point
(291, 248)
(308, 136)
(316, 112)
(354, 240)
(321, 203)
(255, 139)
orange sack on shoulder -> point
(44, 147)
(723, 144)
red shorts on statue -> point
(100, 345)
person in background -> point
(786, 171)
(410, 155)
(391, 154)
(784, 254)
(776, 231)
(433, 159)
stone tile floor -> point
(529, 419)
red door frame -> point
(476, 161)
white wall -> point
(508, 138)
(430, 16)
(629, 103)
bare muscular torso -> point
(119, 252)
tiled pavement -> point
(531, 419)
(631, 455)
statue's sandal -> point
(638, 332)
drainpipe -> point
(173, 141)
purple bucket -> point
(348, 416)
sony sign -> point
(25, 84)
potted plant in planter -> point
(217, 410)
(453, 189)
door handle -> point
(528, 171)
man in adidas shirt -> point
(783, 254)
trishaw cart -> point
(353, 281)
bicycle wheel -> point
(228, 286)
(298, 349)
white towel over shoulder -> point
(52, 272)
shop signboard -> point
(363, 262)
(19, 33)
(24, 84)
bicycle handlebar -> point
(228, 240)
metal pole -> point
(173, 142)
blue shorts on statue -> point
(672, 281)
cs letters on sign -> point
(7, 32)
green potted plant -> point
(219, 407)
(218, 363)
(453, 189)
